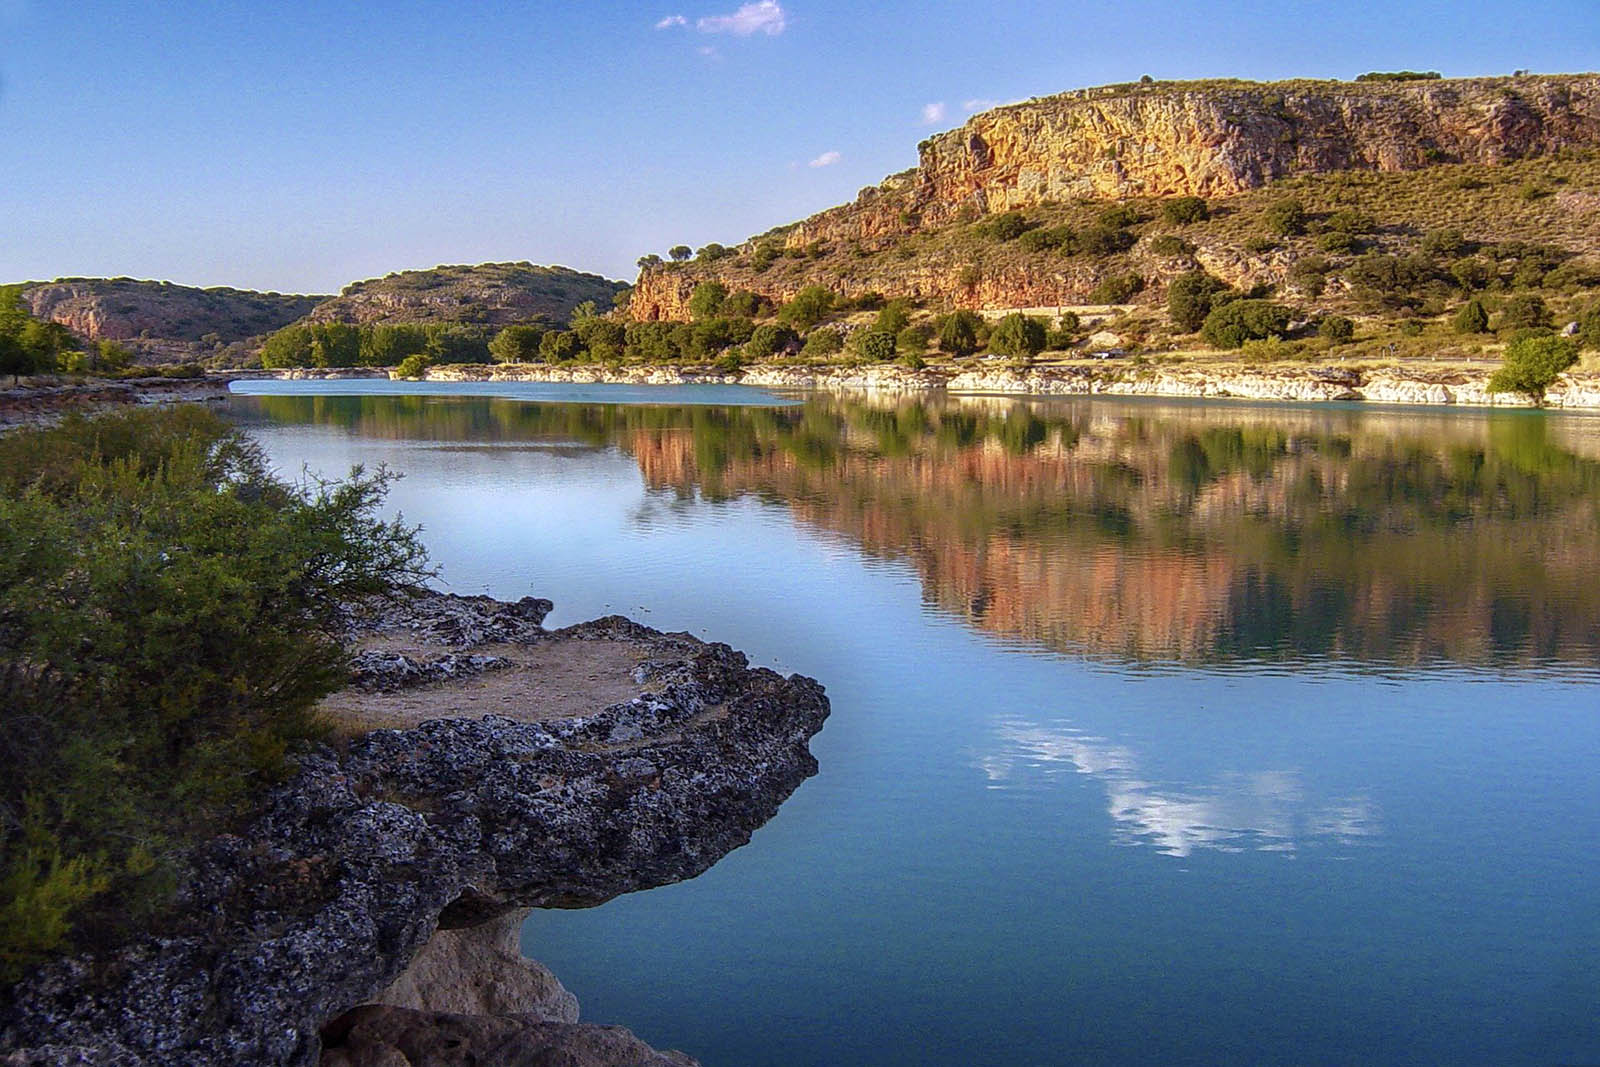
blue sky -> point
(300, 146)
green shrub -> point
(516, 344)
(895, 316)
(822, 343)
(1182, 210)
(1118, 217)
(713, 252)
(1018, 335)
(1338, 242)
(809, 307)
(1589, 327)
(1336, 328)
(1444, 244)
(958, 333)
(1349, 221)
(560, 346)
(1532, 364)
(706, 300)
(679, 253)
(1116, 288)
(1260, 244)
(912, 361)
(1238, 321)
(744, 304)
(1285, 218)
(1103, 240)
(1472, 318)
(1189, 299)
(1170, 244)
(874, 346)
(770, 340)
(913, 340)
(1045, 239)
(171, 618)
(1472, 274)
(413, 366)
(1006, 227)
(763, 257)
(1525, 310)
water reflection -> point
(1266, 811)
(1133, 532)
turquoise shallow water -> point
(1161, 732)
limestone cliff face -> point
(1210, 139)
(121, 309)
(1214, 142)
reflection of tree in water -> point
(1135, 531)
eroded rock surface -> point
(353, 865)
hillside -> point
(489, 294)
(160, 318)
(1498, 158)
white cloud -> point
(765, 16)
(827, 159)
(671, 21)
(980, 104)
(932, 113)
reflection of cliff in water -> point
(1141, 531)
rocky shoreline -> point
(367, 914)
(1296, 383)
(46, 400)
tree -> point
(1336, 328)
(958, 333)
(822, 343)
(876, 346)
(111, 356)
(913, 340)
(1189, 299)
(895, 316)
(1182, 210)
(646, 262)
(1018, 335)
(1238, 321)
(15, 359)
(679, 253)
(713, 252)
(769, 340)
(1589, 327)
(1532, 364)
(808, 308)
(1525, 311)
(1285, 218)
(1116, 288)
(706, 300)
(560, 346)
(742, 303)
(413, 366)
(1472, 318)
(516, 344)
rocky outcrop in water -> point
(323, 903)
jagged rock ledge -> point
(1300, 383)
(372, 903)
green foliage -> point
(413, 366)
(1005, 227)
(958, 332)
(1338, 242)
(1398, 76)
(1018, 335)
(713, 252)
(1447, 243)
(1065, 332)
(1189, 299)
(810, 306)
(1285, 218)
(1532, 364)
(763, 257)
(1182, 210)
(646, 262)
(1336, 328)
(895, 316)
(1170, 244)
(876, 346)
(1589, 327)
(1525, 310)
(1349, 221)
(560, 346)
(28, 345)
(387, 346)
(770, 340)
(1118, 217)
(706, 300)
(913, 340)
(1117, 288)
(822, 343)
(679, 253)
(169, 617)
(1472, 318)
(1102, 240)
(516, 344)
(743, 303)
(1238, 321)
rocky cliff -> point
(327, 901)
(1210, 139)
(492, 294)
(122, 309)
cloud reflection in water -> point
(1265, 811)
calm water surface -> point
(1162, 733)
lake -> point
(1162, 732)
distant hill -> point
(489, 294)
(1500, 159)
(160, 318)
